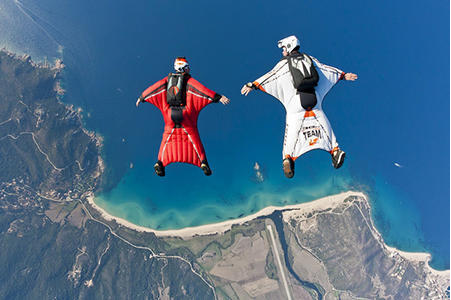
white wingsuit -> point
(305, 130)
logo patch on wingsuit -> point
(311, 143)
(174, 90)
(312, 134)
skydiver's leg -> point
(288, 166)
(327, 129)
(166, 147)
(338, 155)
(291, 140)
(197, 143)
(159, 168)
(205, 167)
(194, 138)
(203, 157)
(287, 161)
(292, 134)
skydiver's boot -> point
(159, 168)
(288, 167)
(205, 167)
(338, 157)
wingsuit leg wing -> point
(181, 145)
(308, 131)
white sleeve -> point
(328, 77)
(278, 82)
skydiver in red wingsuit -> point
(180, 99)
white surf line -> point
(279, 263)
(152, 255)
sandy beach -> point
(417, 257)
(217, 228)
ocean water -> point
(393, 122)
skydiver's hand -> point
(245, 90)
(351, 76)
(224, 100)
(138, 101)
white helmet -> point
(181, 64)
(289, 43)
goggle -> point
(181, 64)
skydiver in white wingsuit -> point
(301, 82)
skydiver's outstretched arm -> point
(333, 74)
(203, 96)
(269, 80)
(154, 94)
(248, 87)
(329, 76)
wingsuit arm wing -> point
(277, 82)
(202, 95)
(156, 93)
(329, 76)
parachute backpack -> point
(176, 89)
(176, 95)
(305, 78)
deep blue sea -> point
(393, 122)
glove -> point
(140, 99)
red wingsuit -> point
(181, 143)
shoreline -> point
(56, 63)
(221, 227)
(417, 257)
